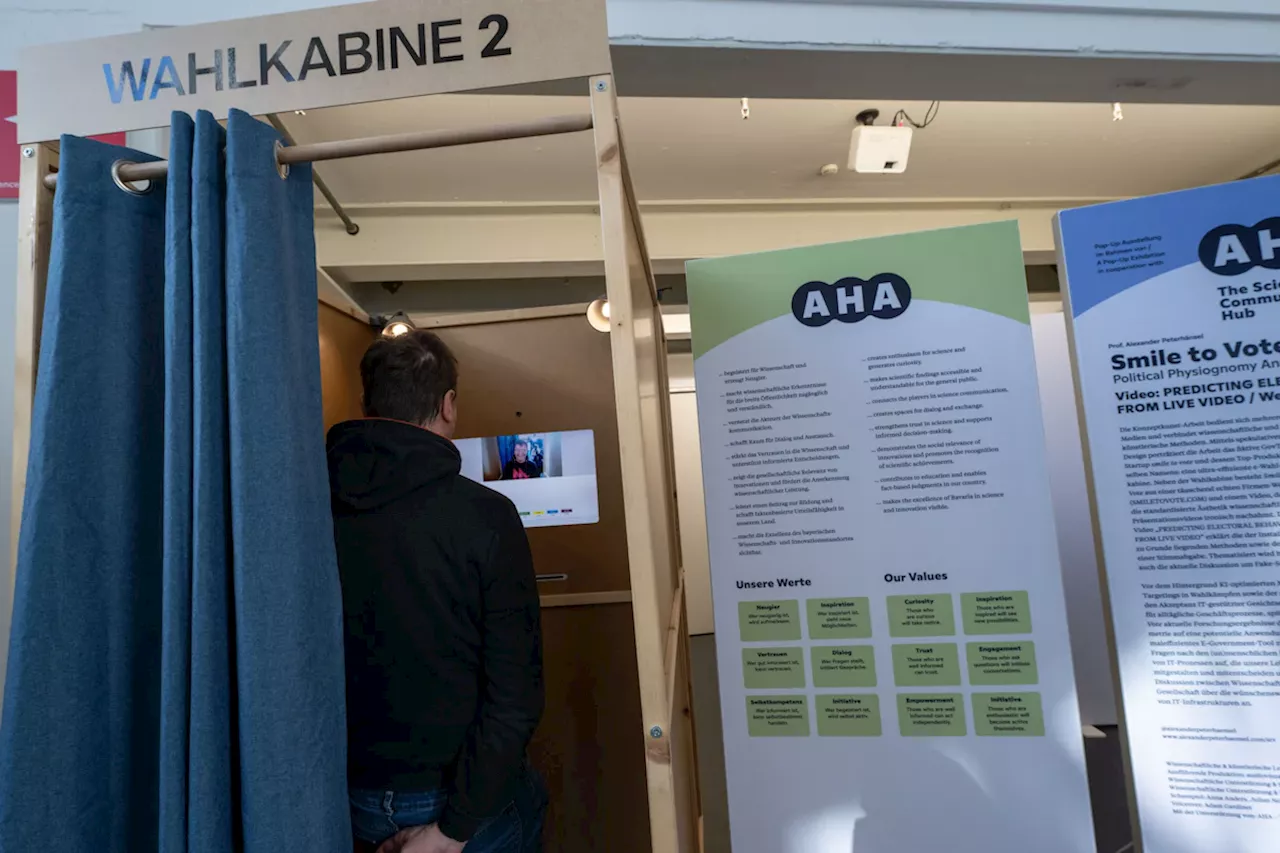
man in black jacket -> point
(443, 643)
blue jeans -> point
(378, 815)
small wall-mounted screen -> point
(549, 476)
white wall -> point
(1152, 28)
(692, 514)
(1226, 28)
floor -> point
(1102, 758)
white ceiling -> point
(685, 149)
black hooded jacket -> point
(443, 643)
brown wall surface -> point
(544, 375)
(589, 745)
(343, 340)
(547, 375)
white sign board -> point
(306, 60)
(895, 669)
(1174, 303)
(1076, 545)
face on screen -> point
(549, 476)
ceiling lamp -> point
(598, 314)
(398, 324)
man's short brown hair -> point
(407, 377)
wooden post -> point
(644, 432)
(35, 233)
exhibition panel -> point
(883, 561)
(1171, 301)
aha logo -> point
(849, 300)
(1236, 249)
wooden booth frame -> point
(642, 405)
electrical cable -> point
(1126, 848)
(930, 114)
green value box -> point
(778, 716)
(772, 668)
(926, 665)
(1008, 715)
(852, 715)
(995, 663)
(844, 666)
(768, 621)
(926, 615)
(931, 715)
(839, 618)
(996, 612)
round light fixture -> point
(598, 314)
(398, 324)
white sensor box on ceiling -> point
(879, 150)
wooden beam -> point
(511, 315)
(644, 432)
(523, 241)
(35, 237)
(333, 294)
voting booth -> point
(590, 410)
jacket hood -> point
(374, 462)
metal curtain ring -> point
(131, 187)
(282, 169)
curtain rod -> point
(342, 149)
(352, 228)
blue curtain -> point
(175, 676)
(506, 448)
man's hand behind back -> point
(421, 839)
